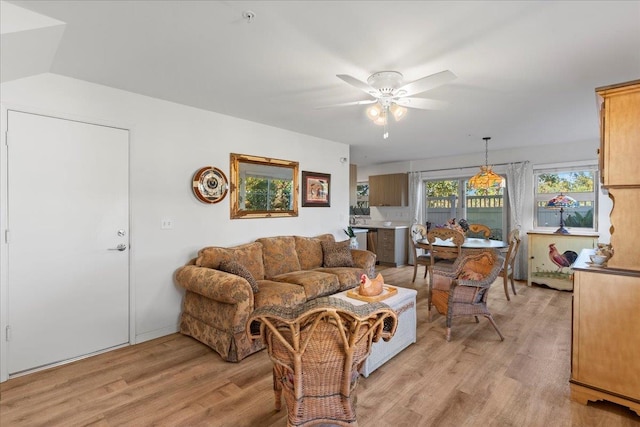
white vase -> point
(353, 242)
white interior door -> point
(68, 209)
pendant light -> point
(486, 178)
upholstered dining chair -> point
(463, 290)
(479, 230)
(317, 350)
(508, 267)
(419, 232)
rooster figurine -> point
(561, 259)
(370, 287)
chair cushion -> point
(349, 277)
(337, 254)
(238, 269)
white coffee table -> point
(404, 304)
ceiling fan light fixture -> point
(398, 111)
(374, 112)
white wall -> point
(169, 142)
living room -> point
(169, 140)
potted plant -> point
(353, 242)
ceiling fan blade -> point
(426, 83)
(346, 104)
(421, 103)
(358, 84)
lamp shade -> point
(486, 179)
(562, 201)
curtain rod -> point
(468, 167)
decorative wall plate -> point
(210, 184)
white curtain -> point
(415, 202)
(516, 189)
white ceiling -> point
(526, 70)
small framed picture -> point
(316, 188)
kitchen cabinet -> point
(392, 246)
(545, 248)
(389, 190)
(618, 160)
(605, 345)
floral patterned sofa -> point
(225, 285)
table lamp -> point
(561, 202)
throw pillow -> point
(239, 270)
(337, 254)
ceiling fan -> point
(392, 97)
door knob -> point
(121, 247)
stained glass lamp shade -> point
(562, 202)
(486, 178)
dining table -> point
(470, 244)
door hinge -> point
(6, 138)
(6, 236)
(8, 333)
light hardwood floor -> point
(474, 380)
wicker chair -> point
(419, 232)
(463, 290)
(317, 350)
(507, 269)
(442, 256)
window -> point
(579, 183)
(452, 198)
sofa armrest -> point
(215, 284)
(365, 260)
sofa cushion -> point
(279, 293)
(349, 277)
(238, 269)
(315, 283)
(309, 250)
(279, 255)
(249, 255)
(337, 254)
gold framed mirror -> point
(262, 187)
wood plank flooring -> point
(474, 380)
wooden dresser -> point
(605, 351)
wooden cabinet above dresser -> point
(619, 134)
(620, 173)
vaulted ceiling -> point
(526, 70)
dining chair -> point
(317, 350)
(419, 232)
(463, 290)
(443, 257)
(508, 267)
(479, 230)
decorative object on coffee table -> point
(371, 287)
